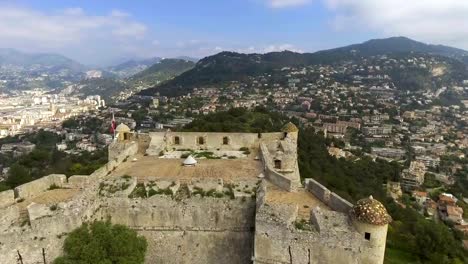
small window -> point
(225, 141)
(277, 164)
(126, 136)
(176, 140)
(259, 135)
(367, 236)
(201, 140)
(285, 135)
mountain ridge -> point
(231, 66)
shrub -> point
(54, 186)
(138, 192)
(102, 242)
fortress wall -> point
(277, 240)
(78, 181)
(7, 198)
(30, 246)
(277, 243)
(271, 136)
(144, 141)
(118, 151)
(318, 190)
(189, 140)
(279, 180)
(195, 230)
(47, 229)
(339, 204)
(276, 178)
(198, 247)
(333, 200)
(163, 212)
(38, 186)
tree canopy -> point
(103, 243)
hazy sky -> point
(99, 32)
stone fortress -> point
(198, 198)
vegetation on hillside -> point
(411, 237)
(104, 243)
(45, 159)
(226, 67)
(161, 71)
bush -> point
(102, 242)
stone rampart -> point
(78, 181)
(38, 186)
(279, 240)
(193, 230)
(339, 204)
(333, 200)
(7, 198)
(275, 177)
(165, 141)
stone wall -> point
(41, 226)
(7, 198)
(275, 177)
(193, 230)
(38, 186)
(278, 240)
(333, 200)
(78, 181)
(211, 141)
(339, 204)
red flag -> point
(113, 126)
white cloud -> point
(434, 21)
(282, 47)
(70, 30)
(287, 3)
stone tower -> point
(370, 218)
(290, 131)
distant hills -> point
(110, 87)
(134, 66)
(231, 66)
(397, 45)
(161, 71)
(50, 61)
(131, 67)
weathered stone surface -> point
(7, 198)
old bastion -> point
(237, 199)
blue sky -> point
(102, 32)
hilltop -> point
(226, 67)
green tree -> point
(18, 175)
(103, 243)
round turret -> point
(370, 218)
(123, 132)
(122, 128)
(370, 211)
(289, 127)
(290, 131)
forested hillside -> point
(226, 67)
